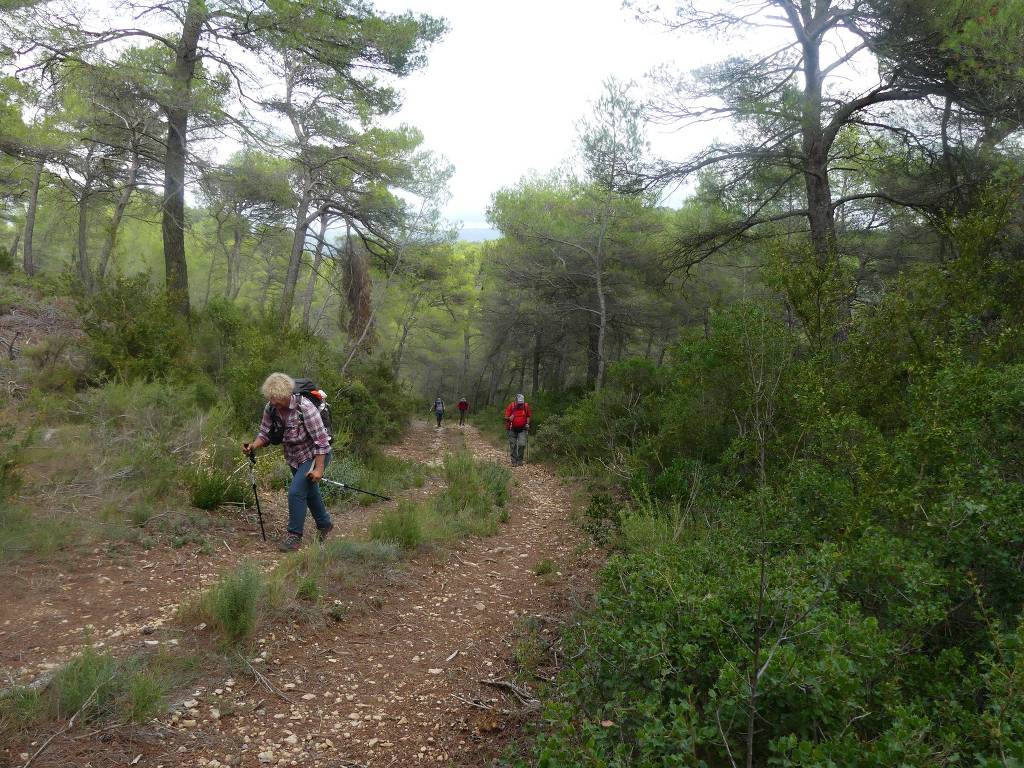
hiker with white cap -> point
(517, 423)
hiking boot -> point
(292, 542)
(323, 533)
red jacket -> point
(517, 416)
(463, 405)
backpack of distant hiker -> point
(520, 415)
(307, 389)
(439, 405)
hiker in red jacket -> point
(517, 422)
(463, 406)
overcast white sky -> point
(503, 90)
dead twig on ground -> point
(520, 693)
(476, 704)
(264, 681)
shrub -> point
(20, 707)
(232, 605)
(133, 332)
(145, 696)
(89, 683)
(308, 589)
(210, 488)
(401, 526)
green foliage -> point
(146, 695)
(20, 707)
(133, 331)
(10, 480)
(472, 504)
(210, 488)
(6, 262)
(847, 522)
(308, 589)
(232, 605)
(401, 526)
(88, 683)
(545, 567)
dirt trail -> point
(404, 682)
(109, 595)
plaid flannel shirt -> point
(304, 435)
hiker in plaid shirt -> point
(307, 449)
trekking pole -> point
(255, 493)
(353, 488)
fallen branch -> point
(476, 704)
(263, 680)
(522, 694)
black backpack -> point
(307, 389)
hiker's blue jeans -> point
(303, 493)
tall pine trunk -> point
(820, 215)
(82, 263)
(318, 253)
(291, 278)
(30, 217)
(359, 294)
(234, 286)
(114, 227)
(173, 225)
(536, 363)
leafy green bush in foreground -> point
(821, 562)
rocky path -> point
(426, 673)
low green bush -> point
(88, 683)
(231, 607)
(209, 488)
(133, 332)
(20, 708)
(402, 526)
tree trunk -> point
(30, 217)
(185, 58)
(407, 323)
(291, 277)
(819, 192)
(359, 293)
(318, 253)
(82, 263)
(115, 221)
(536, 363)
(465, 360)
(492, 389)
(14, 246)
(209, 278)
(235, 263)
(592, 332)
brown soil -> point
(418, 674)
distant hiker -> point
(517, 422)
(293, 420)
(463, 406)
(439, 409)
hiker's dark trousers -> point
(517, 445)
(440, 415)
(303, 493)
(462, 418)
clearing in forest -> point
(434, 660)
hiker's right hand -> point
(247, 449)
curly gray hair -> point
(278, 386)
